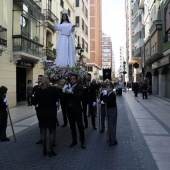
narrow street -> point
(143, 136)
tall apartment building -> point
(134, 40)
(121, 58)
(156, 59)
(130, 60)
(106, 51)
(94, 64)
(27, 35)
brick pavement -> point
(131, 153)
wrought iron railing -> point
(49, 53)
(49, 15)
(23, 44)
(3, 36)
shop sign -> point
(25, 63)
(162, 62)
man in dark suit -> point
(85, 99)
(35, 90)
(74, 110)
(92, 94)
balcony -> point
(3, 36)
(49, 15)
(30, 3)
(49, 53)
(27, 48)
(49, 18)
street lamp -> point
(124, 72)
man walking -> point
(74, 110)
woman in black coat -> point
(46, 99)
(3, 113)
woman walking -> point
(46, 99)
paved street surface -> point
(143, 134)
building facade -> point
(94, 64)
(106, 51)
(134, 40)
(27, 36)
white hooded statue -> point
(65, 43)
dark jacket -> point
(111, 100)
(92, 93)
(74, 100)
(46, 100)
(3, 111)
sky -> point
(113, 24)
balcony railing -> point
(3, 36)
(49, 15)
(49, 53)
(25, 45)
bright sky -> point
(113, 24)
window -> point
(77, 3)
(62, 3)
(86, 30)
(49, 5)
(86, 47)
(86, 12)
(90, 69)
(82, 24)
(77, 21)
(83, 43)
(69, 13)
(82, 6)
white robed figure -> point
(65, 43)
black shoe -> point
(52, 153)
(73, 144)
(83, 145)
(86, 126)
(5, 140)
(94, 127)
(64, 125)
(113, 144)
(44, 152)
(39, 142)
(102, 130)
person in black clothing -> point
(85, 99)
(92, 95)
(112, 114)
(136, 88)
(144, 90)
(34, 91)
(74, 110)
(3, 113)
(29, 94)
(46, 98)
(103, 110)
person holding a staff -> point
(111, 110)
(3, 113)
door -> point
(21, 84)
